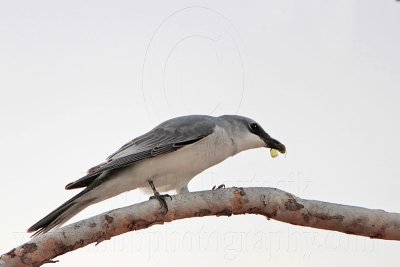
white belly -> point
(171, 171)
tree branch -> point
(269, 202)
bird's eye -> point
(254, 126)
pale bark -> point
(269, 202)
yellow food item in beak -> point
(274, 153)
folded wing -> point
(165, 138)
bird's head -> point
(249, 134)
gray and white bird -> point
(166, 158)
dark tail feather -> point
(62, 214)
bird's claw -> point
(219, 187)
(161, 199)
(158, 196)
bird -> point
(167, 158)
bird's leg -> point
(158, 196)
(219, 187)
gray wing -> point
(165, 138)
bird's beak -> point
(274, 144)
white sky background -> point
(79, 79)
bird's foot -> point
(219, 187)
(158, 196)
(161, 199)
